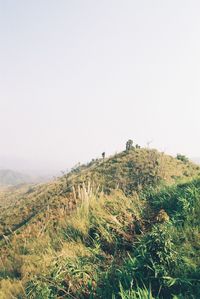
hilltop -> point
(104, 230)
(134, 170)
(131, 171)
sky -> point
(81, 77)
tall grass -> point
(109, 246)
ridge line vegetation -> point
(124, 227)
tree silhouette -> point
(129, 145)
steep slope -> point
(108, 229)
(133, 171)
(110, 247)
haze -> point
(81, 77)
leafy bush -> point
(181, 202)
(182, 158)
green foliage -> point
(152, 261)
(138, 293)
(39, 290)
(95, 232)
(156, 254)
(137, 170)
(181, 202)
(182, 158)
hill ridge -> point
(103, 230)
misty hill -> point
(13, 178)
(9, 177)
(107, 229)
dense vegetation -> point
(124, 227)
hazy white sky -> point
(80, 77)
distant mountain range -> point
(10, 177)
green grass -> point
(95, 233)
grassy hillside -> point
(122, 227)
(134, 170)
(137, 170)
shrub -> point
(182, 158)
